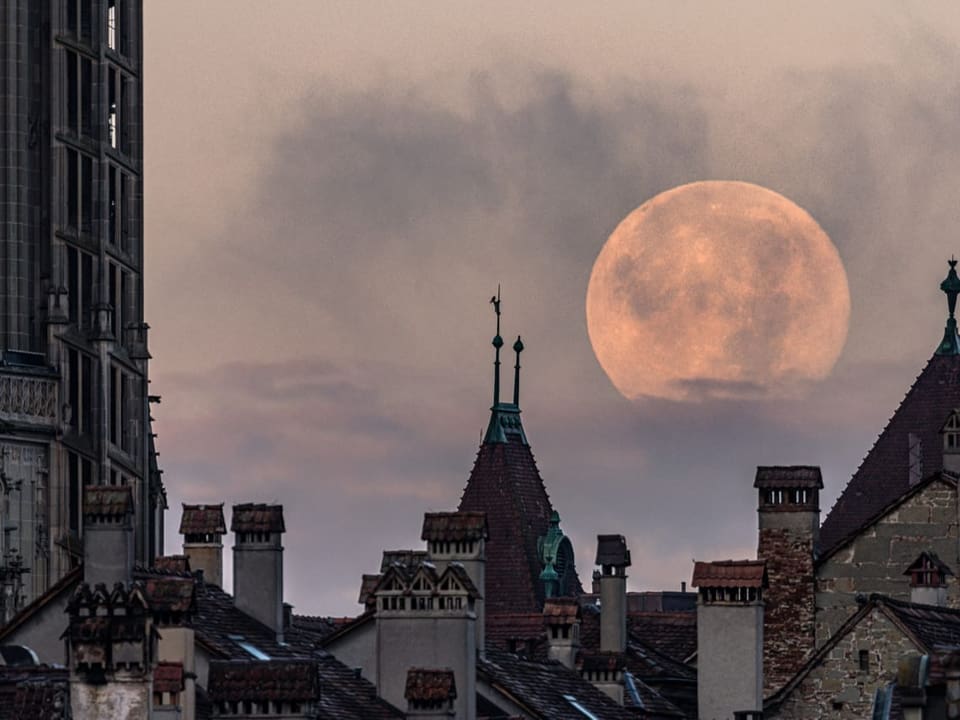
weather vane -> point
(497, 344)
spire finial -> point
(950, 345)
(497, 344)
(517, 348)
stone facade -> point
(842, 685)
(875, 560)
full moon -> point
(717, 289)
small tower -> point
(203, 528)
(613, 557)
(729, 637)
(928, 580)
(258, 563)
(555, 552)
(788, 513)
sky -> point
(334, 190)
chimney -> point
(258, 563)
(928, 580)
(562, 618)
(613, 557)
(107, 535)
(729, 637)
(203, 528)
(788, 512)
(460, 537)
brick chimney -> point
(258, 563)
(203, 528)
(460, 537)
(729, 637)
(789, 523)
(613, 557)
(107, 535)
(562, 618)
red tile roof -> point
(730, 573)
(107, 500)
(283, 680)
(175, 564)
(202, 520)
(429, 685)
(168, 677)
(561, 611)
(454, 526)
(884, 474)
(253, 517)
(506, 485)
(170, 594)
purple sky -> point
(335, 189)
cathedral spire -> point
(950, 345)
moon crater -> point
(717, 289)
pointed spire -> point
(497, 344)
(517, 348)
(950, 345)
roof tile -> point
(202, 520)
(257, 517)
(454, 526)
(430, 685)
(730, 573)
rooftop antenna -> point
(518, 348)
(497, 344)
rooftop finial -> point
(497, 344)
(517, 348)
(950, 345)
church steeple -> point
(950, 345)
(504, 416)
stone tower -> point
(73, 369)
(788, 512)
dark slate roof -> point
(672, 633)
(256, 680)
(524, 631)
(344, 696)
(367, 584)
(788, 476)
(647, 702)
(884, 474)
(35, 693)
(202, 520)
(107, 500)
(257, 517)
(505, 484)
(612, 550)
(405, 558)
(730, 573)
(540, 688)
(430, 685)
(454, 526)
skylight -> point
(253, 650)
(577, 706)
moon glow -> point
(717, 289)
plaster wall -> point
(41, 633)
(258, 581)
(427, 639)
(874, 562)
(358, 649)
(837, 687)
(730, 659)
(207, 557)
(115, 700)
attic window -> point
(575, 704)
(254, 651)
(951, 432)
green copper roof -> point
(548, 548)
(950, 345)
(504, 422)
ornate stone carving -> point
(28, 398)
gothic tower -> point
(73, 371)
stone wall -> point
(837, 687)
(876, 560)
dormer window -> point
(951, 432)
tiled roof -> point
(454, 526)
(601, 661)
(107, 500)
(257, 517)
(730, 573)
(430, 685)
(179, 564)
(561, 611)
(647, 702)
(202, 520)
(612, 550)
(278, 680)
(672, 633)
(168, 677)
(345, 696)
(506, 485)
(367, 584)
(542, 689)
(517, 630)
(932, 626)
(884, 474)
(788, 476)
(34, 693)
(405, 558)
(170, 594)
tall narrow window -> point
(71, 87)
(73, 189)
(86, 194)
(112, 98)
(85, 97)
(112, 18)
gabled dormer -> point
(928, 579)
(950, 432)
